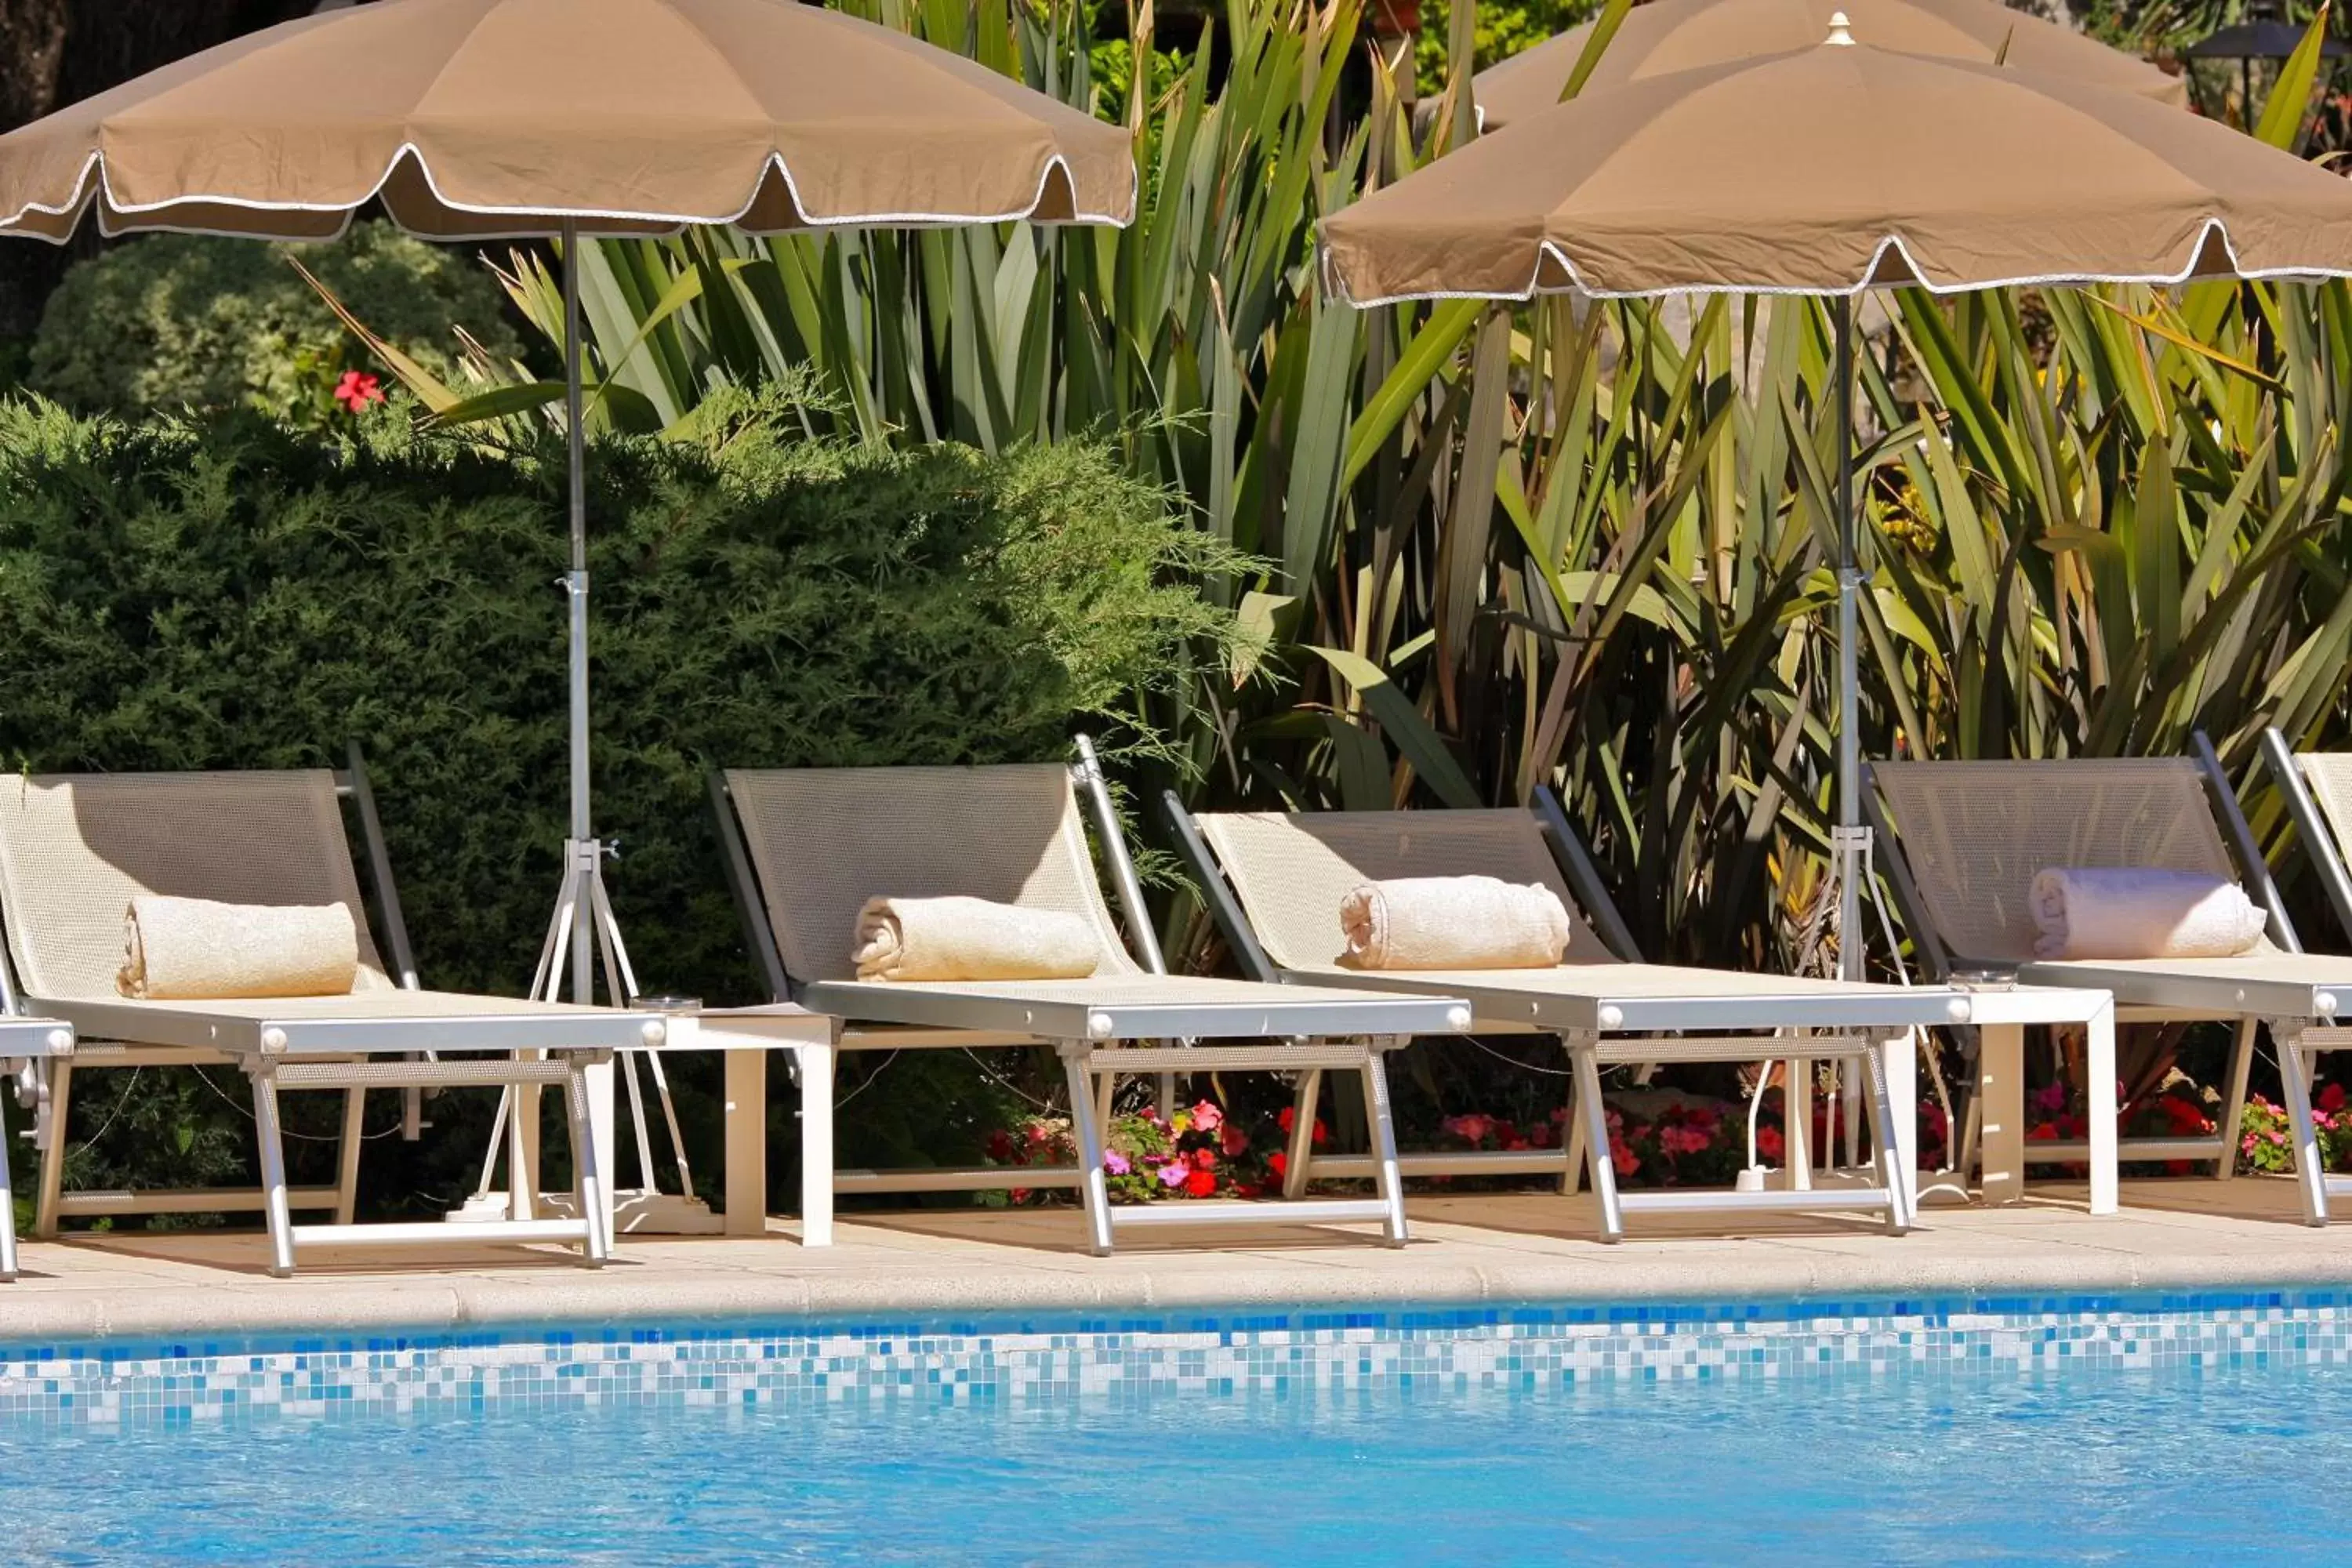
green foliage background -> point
(237, 595)
(175, 322)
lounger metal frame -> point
(1097, 1043)
(2299, 1017)
(1595, 1033)
(293, 1053)
(2327, 859)
(24, 1045)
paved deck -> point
(2180, 1233)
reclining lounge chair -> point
(805, 849)
(24, 1045)
(1276, 882)
(1964, 840)
(76, 848)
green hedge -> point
(234, 595)
(179, 322)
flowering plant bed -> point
(2266, 1139)
(1199, 1153)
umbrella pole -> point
(1850, 843)
(585, 852)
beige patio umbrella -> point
(1670, 36)
(1829, 171)
(480, 119)
(475, 119)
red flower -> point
(1278, 1162)
(1289, 1119)
(2331, 1099)
(357, 390)
(1318, 1133)
(1235, 1142)
(1204, 1159)
(1770, 1144)
(1202, 1183)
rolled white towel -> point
(2140, 911)
(1453, 923)
(194, 950)
(970, 938)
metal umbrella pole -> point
(1850, 840)
(583, 929)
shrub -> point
(234, 594)
(173, 321)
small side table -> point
(2002, 1012)
(747, 1034)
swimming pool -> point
(2149, 1430)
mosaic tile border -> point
(1135, 1358)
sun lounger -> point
(1963, 841)
(2317, 789)
(75, 849)
(26, 1045)
(1275, 881)
(806, 847)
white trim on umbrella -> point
(103, 197)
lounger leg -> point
(1106, 1090)
(2233, 1108)
(53, 1153)
(587, 1164)
(523, 1149)
(1594, 1116)
(1390, 1181)
(1571, 1129)
(816, 1145)
(7, 1193)
(2295, 1069)
(1095, 1190)
(1890, 1150)
(1899, 1054)
(2099, 1051)
(1797, 1104)
(1304, 1105)
(347, 1170)
(271, 1137)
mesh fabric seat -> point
(1974, 835)
(1293, 869)
(75, 850)
(825, 840)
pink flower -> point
(2051, 1097)
(357, 390)
(1471, 1128)
(1234, 1142)
(1204, 1159)
(1172, 1175)
(1116, 1162)
(1207, 1118)
(1622, 1155)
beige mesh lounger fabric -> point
(74, 850)
(817, 843)
(1968, 837)
(1289, 873)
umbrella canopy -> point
(480, 119)
(2271, 41)
(1837, 168)
(1683, 35)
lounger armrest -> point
(2146, 984)
(1499, 1004)
(256, 1031)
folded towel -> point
(970, 938)
(2139, 911)
(1453, 923)
(194, 950)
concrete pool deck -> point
(2174, 1235)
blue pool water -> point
(2087, 1464)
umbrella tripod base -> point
(635, 1212)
